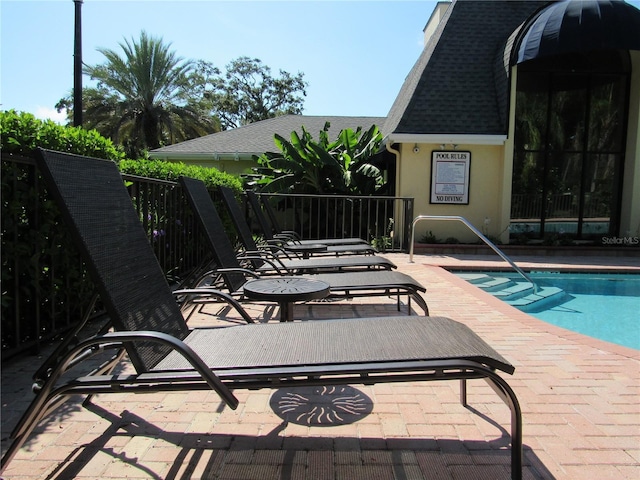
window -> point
(569, 145)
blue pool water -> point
(604, 306)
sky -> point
(354, 55)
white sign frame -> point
(450, 177)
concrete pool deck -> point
(579, 397)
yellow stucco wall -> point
(233, 167)
(486, 189)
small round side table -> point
(286, 291)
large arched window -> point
(570, 135)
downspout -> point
(397, 214)
(390, 149)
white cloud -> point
(45, 113)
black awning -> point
(570, 26)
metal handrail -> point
(478, 233)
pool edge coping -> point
(526, 319)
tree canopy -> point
(249, 93)
(146, 96)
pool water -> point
(604, 306)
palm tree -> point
(139, 99)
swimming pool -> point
(604, 306)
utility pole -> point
(77, 66)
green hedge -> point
(21, 133)
(162, 170)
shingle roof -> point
(258, 137)
(458, 84)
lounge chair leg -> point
(463, 392)
(502, 388)
(420, 301)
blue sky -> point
(354, 54)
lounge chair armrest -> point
(117, 340)
(275, 263)
(176, 344)
(290, 233)
(203, 291)
(284, 238)
(264, 254)
(276, 246)
(218, 271)
(245, 271)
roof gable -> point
(455, 86)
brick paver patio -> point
(579, 398)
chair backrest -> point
(263, 222)
(239, 221)
(98, 210)
(271, 214)
(213, 228)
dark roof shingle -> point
(258, 137)
(452, 88)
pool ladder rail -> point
(480, 235)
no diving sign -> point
(450, 177)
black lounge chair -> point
(267, 261)
(342, 284)
(333, 246)
(167, 356)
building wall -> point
(230, 166)
(486, 191)
(630, 212)
(490, 179)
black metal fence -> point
(385, 222)
(45, 286)
(170, 225)
(46, 290)
(564, 205)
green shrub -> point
(428, 237)
(161, 170)
(21, 133)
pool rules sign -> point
(450, 177)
